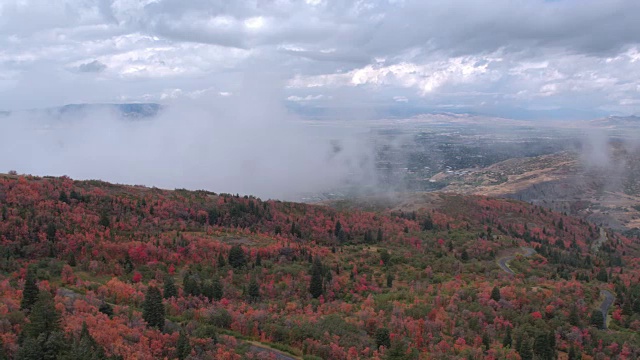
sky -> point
(499, 55)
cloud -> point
(570, 54)
(94, 66)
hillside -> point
(607, 193)
(144, 273)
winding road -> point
(503, 261)
(609, 298)
(606, 304)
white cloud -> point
(440, 50)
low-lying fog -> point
(247, 143)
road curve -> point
(503, 261)
(609, 298)
(606, 304)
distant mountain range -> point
(132, 110)
(617, 121)
(387, 111)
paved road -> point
(503, 262)
(601, 240)
(606, 304)
(257, 347)
(608, 296)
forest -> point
(92, 270)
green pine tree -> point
(541, 347)
(602, 275)
(3, 353)
(30, 292)
(221, 261)
(315, 286)
(389, 280)
(190, 285)
(507, 341)
(170, 289)
(44, 318)
(486, 341)
(31, 349)
(495, 294)
(254, 291)
(43, 338)
(385, 257)
(258, 260)
(597, 319)
(574, 318)
(237, 257)
(183, 348)
(85, 347)
(153, 309)
(525, 351)
(217, 289)
(106, 309)
(383, 338)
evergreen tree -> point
(379, 238)
(495, 294)
(183, 348)
(190, 285)
(254, 291)
(51, 232)
(72, 260)
(217, 290)
(398, 351)
(30, 292)
(383, 338)
(574, 354)
(597, 319)
(486, 341)
(44, 318)
(170, 289)
(3, 353)
(574, 318)
(85, 347)
(315, 286)
(542, 348)
(104, 220)
(31, 349)
(221, 261)
(465, 255)
(525, 351)
(385, 256)
(153, 309)
(507, 340)
(338, 228)
(127, 263)
(207, 290)
(636, 306)
(602, 275)
(258, 260)
(106, 309)
(389, 280)
(427, 224)
(43, 338)
(63, 197)
(237, 257)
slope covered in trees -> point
(95, 270)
